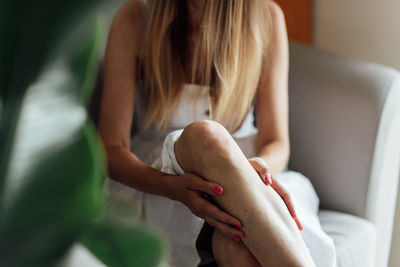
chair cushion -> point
(354, 238)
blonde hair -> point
(228, 57)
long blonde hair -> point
(228, 57)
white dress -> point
(173, 218)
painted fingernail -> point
(235, 239)
(218, 190)
(298, 223)
(264, 178)
(239, 237)
(237, 225)
(269, 178)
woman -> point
(192, 70)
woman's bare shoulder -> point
(128, 25)
(278, 25)
(275, 11)
(131, 13)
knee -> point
(205, 143)
(208, 135)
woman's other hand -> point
(193, 191)
(263, 170)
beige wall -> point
(365, 29)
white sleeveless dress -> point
(174, 219)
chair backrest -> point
(336, 107)
(345, 135)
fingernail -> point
(239, 237)
(298, 223)
(264, 178)
(237, 225)
(217, 190)
(269, 178)
(235, 239)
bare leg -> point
(230, 254)
(207, 149)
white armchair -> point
(345, 137)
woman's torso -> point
(193, 105)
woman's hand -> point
(193, 191)
(263, 170)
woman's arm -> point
(117, 103)
(272, 98)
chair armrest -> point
(345, 134)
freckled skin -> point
(266, 222)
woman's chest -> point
(193, 105)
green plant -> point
(52, 167)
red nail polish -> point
(237, 225)
(300, 226)
(269, 178)
(298, 223)
(235, 239)
(264, 179)
(217, 190)
(239, 237)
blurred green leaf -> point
(52, 166)
(120, 244)
(32, 34)
(53, 187)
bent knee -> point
(209, 135)
(205, 143)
